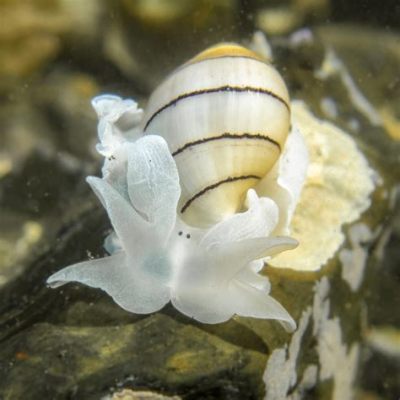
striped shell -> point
(225, 115)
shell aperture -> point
(225, 115)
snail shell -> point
(225, 115)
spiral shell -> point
(225, 115)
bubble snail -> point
(199, 188)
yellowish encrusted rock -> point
(337, 190)
(385, 339)
(128, 394)
(390, 122)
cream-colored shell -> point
(225, 115)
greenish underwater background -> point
(75, 343)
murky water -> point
(341, 60)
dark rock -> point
(156, 352)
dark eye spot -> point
(180, 233)
(188, 236)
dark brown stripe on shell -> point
(253, 136)
(215, 185)
(227, 88)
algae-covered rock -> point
(157, 352)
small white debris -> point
(329, 107)
(260, 45)
(300, 37)
(354, 260)
(333, 65)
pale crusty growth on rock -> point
(336, 191)
(337, 360)
(280, 376)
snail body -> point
(225, 115)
